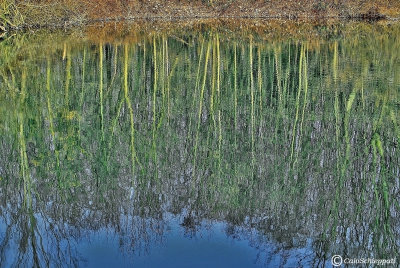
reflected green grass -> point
(296, 138)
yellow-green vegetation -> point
(9, 15)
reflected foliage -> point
(298, 140)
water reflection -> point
(289, 148)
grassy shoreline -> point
(17, 14)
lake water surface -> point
(202, 148)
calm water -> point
(199, 149)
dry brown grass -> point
(56, 13)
